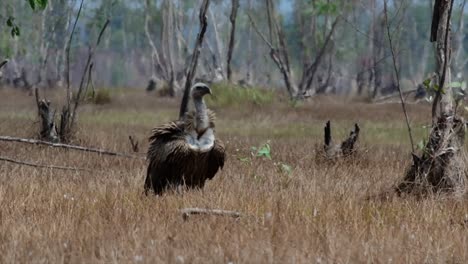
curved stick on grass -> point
(186, 212)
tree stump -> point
(48, 131)
(345, 149)
(442, 167)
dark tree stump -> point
(441, 168)
(345, 149)
(47, 116)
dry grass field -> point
(296, 208)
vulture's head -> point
(199, 90)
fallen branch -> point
(186, 212)
(41, 165)
(66, 146)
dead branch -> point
(397, 75)
(67, 50)
(186, 212)
(309, 73)
(345, 149)
(156, 61)
(41, 165)
(83, 77)
(276, 59)
(66, 146)
(134, 144)
(3, 63)
(195, 54)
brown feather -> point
(173, 163)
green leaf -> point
(15, 31)
(427, 84)
(42, 3)
(245, 160)
(285, 168)
(10, 21)
(32, 3)
(39, 4)
(455, 84)
(264, 151)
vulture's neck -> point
(201, 115)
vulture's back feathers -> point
(172, 162)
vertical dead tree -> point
(248, 74)
(195, 54)
(441, 167)
(279, 54)
(155, 58)
(232, 18)
(164, 59)
(219, 55)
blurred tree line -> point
(343, 41)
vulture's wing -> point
(216, 159)
(166, 155)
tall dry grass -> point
(317, 213)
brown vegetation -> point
(313, 213)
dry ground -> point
(318, 213)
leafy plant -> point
(263, 151)
(285, 168)
(35, 5)
(102, 96)
(40, 4)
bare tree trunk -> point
(248, 75)
(458, 44)
(155, 58)
(232, 18)
(167, 43)
(219, 45)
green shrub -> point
(102, 96)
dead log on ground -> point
(186, 212)
(66, 146)
(41, 165)
(345, 149)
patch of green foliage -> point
(102, 96)
(225, 95)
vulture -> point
(186, 151)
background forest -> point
(146, 39)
